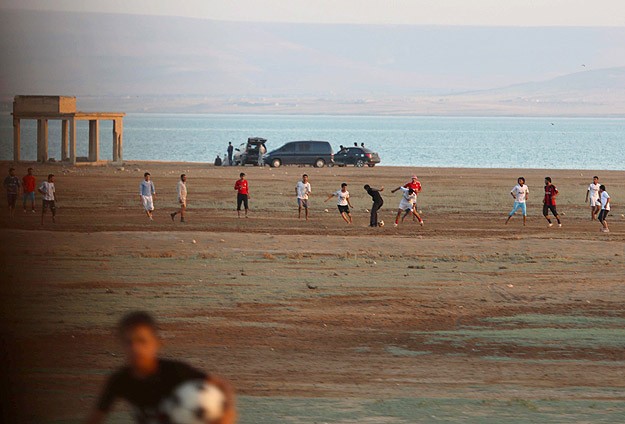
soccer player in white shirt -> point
(48, 191)
(520, 193)
(592, 195)
(302, 191)
(406, 204)
(182, 198)
(605, 208)
(343, 202)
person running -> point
(147, 193)
(182, 198)
(343, 203)
(302, 191)
(549, 202)
(406, 204)
(243, 194)
(29, 183)
(261, 152)
(414, 184)
(592, 195)
(378, 202)
(605, 208)
(520, 193)
(12, 186)
(146, 380)
(230, 153)
(48, 190)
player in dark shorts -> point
(549, 202)
(146, 380)
(243, 194)
(378, 202)
(12, 186)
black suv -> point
(247, 153)
(357, 156)
(315, 153)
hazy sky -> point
(420, 12)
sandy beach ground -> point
(462, 320)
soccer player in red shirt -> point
(28, 187)
(415, 185)
(243, 194)
(549, 202)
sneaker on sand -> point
(550, 225)
(395, 224)
(151, 219)
(173, 215)
(559, 225)
(421, 223)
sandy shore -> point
(463, 320)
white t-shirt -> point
(303, 190)
(182, 190)
(604, 201)
(520, 192)
(342, 197)
(48, 190)
(593, 191)
(407, 200)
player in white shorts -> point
(146, 194)
(592, 196)
(406, 204)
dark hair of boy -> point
(548, 179)
(136, 319)
(343, 185)
(242, 174)
(367, 187)
(182, 176)
(146, 174)
(50, 176)
(602, 187)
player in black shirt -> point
(147, 379)
(377, 203)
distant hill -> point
(156, 63)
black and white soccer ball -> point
(194, 402)
(381, 224)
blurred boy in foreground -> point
(146, 379)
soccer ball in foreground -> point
(194, 402)
(381, 224)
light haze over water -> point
(549, 143)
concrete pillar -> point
(72, 141)
(42, 140)
(17, 142)
(64, 140)
(94, 140)
(118, 130)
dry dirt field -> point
(464, 320)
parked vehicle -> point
(357, 156)
(247, 153)
(315, 153)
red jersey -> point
(28, 183)
(241, 187)
(550, 193)
(415, 186)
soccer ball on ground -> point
(194, 402)
(381, 224)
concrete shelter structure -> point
(44, 108)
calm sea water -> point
(551, 143)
